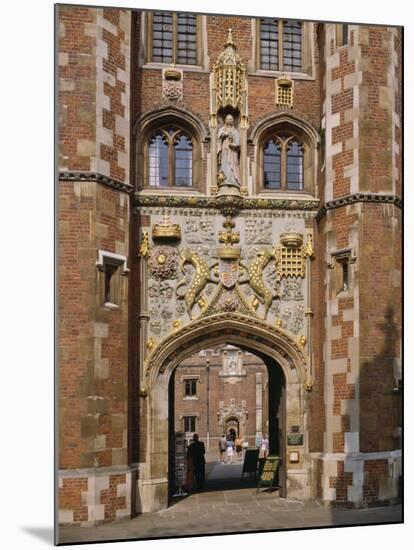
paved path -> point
(236, 508)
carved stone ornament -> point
(163, 262)
(172, 84)
(166, 231)
(144, 248)
(291, 256)
(230, 81)
(284, 91)
(202, 277)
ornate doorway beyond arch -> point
(232, 427)
(272, 344)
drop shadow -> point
(44, 534)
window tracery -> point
(170, 158)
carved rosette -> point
(163, 262)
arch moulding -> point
(249, 333)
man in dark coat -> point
(196, 452)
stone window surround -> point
(144, 55)
(338, 258)
(195, 377)
(308, 54)
(339, 36)
(120, 262)
(169, 116)
(286, 125)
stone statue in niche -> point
(228, 148)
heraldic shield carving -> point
(228, 272)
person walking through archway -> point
(196, 452)
(230, 450)
(238, 445)
(222, 448)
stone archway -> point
(248, 333)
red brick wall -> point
(374, 471)
(380, 322)
(341, 482)
(70, 498)
(90, 405)
(77, 86)
(219, 390)
(375, 124)
(261, 89)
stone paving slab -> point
(223, 520)
(218, 511)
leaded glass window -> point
(158, 161)
(186, 39)
(294, 165)
(170, 158)
(174, 38)
(183, 161)
(269, 44)
(162, 37)
(272, 164)
(280, 45)
(283, 163)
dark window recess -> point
(190, 388)
(110, 271)
(344, 34)
(345, 275)
(189, 423)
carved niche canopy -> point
(230, 81)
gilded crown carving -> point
(166, 231)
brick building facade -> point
(220, 390)
(162, 254)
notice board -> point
(268, 475)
